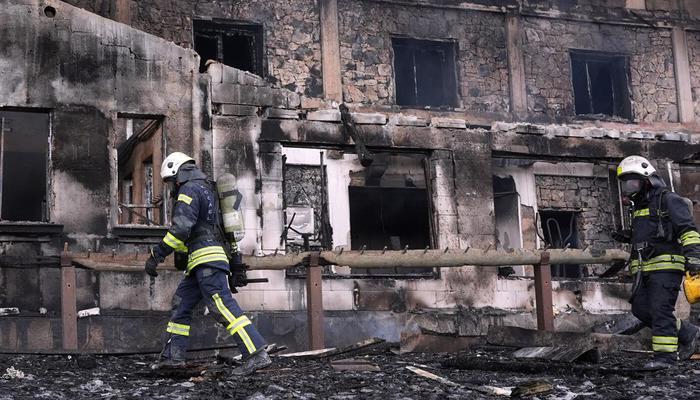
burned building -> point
(491, 125)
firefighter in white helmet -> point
(665, 243)
(196, 231)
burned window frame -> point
(155, 125)
(562, 271)
(217, 29)
(450, 89)
(30, 226)
(342, 272)
(620, 80)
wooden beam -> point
(330, 50)
(516, 68)
(686, 109)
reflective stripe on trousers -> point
(235, 325)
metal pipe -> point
(438, 258)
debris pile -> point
(369, 369)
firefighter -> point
(665, 243)
(195, 231)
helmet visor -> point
(631, 186)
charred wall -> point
(546, 45)
(366, 32)
(85, 70)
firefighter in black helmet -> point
(665, 243)
(195, 232)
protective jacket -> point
(664, 231)
(195, 229)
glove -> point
(692, 265)
(151, 263)
(622, 236)
(238, 277)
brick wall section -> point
(589, 195)
(366, 29)
(546, 45)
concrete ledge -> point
(278, 113)
(448, 123)
(369, 118)
(324, 116)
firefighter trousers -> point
(211, 285)
(655, 304)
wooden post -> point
(330, 50)
(516, 67)
(543, 294)
(681, 63)
(69, 312)
(314, 303)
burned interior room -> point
(428, 195)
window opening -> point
(389, 207)
(236, 45)
(141, 191)
(506, 202)
(424, 72)
(24, 139)
(560, 231)
(600, 84)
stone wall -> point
(291, 32)
(546, 45)
(590, 197)
(366, 29)
(694, 59)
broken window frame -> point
(332, 272)
(44, 224)
(450, 96)
(571, 241)
(620, 82)
(155, 125)
(218, 29)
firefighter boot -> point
(661, 361)
(253, 363)
(689, 346)
(170, 357)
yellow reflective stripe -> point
(664, 344)
(664, 348)
(619, 171)
(178, 329)
(662, 262)
(175, 243)
(678, 324)
(235, 325)
(207, 251)
(205, 255)
(690, 237)
(222, 308)
(206, 259)
(184, 198)
(644, 212)
(664, 339)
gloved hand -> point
(622, 236)
(692, 265)
(151, 265)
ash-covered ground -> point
(129, 377)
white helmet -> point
(172, 164)
(635, 165)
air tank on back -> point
(230, 201)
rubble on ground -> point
(616, 376)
